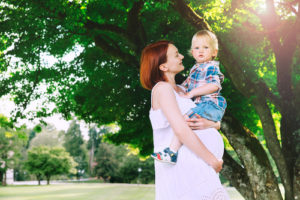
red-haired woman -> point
(194, 177)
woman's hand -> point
(218, 165)
(202, 123)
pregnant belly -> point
(212, 139)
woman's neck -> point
(171, 79)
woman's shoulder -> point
(162, 86)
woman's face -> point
(174, 60)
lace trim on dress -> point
(218, 194)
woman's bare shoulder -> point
(162, 86)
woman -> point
(194, 177)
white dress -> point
(190, 178)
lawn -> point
(86, 191)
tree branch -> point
(114, 50)
(135, 27)
(106, 27)
(190, 15)
(134, 35)
(289, 6)
(270, 95)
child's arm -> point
(202, 90)
(213, 79)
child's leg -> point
(169, 154)
(209, 110)
(175, 144)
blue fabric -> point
(208, 110)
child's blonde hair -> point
(209, 36)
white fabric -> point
(191, 178)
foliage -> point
(117, 164)
(48, 136)
(11, 144)
(74, 144)
(134, 170)
(107, 163)
(47, 161)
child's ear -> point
(163, 67)
(215, 53)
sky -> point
(6, 106)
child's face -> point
(202, 50)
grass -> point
(86, 191)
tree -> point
(95, 138)
(134, 170)
(107, 163)
(259, 44)
(11, 142)
(122, 165)
(47, 161)
(48, 136)
(74, 144)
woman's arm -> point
(200, 123)
(165, 99)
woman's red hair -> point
(153, 55)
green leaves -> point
(101, 84)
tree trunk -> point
(4, 179)
(296, 178)
(289, 113)
(273, 144)
(1, 177)
(38, 177)
(78, 175)
(284, 46)
(92, 157)
(237, 176)
(263, 182)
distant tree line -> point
(43, 153)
